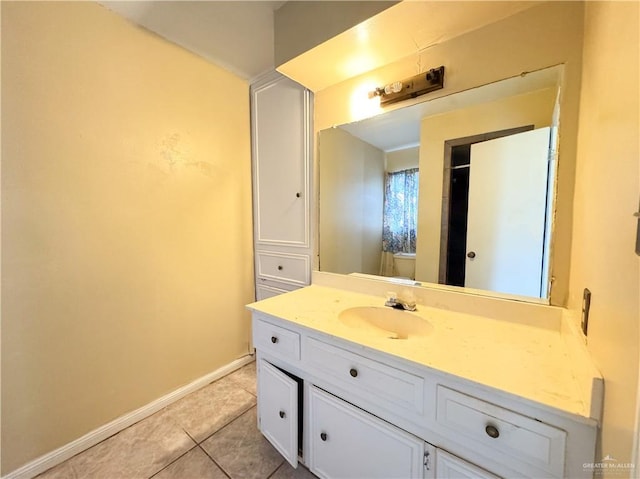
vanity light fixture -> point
(411, 87)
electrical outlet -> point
(637, 215)
(586, 305)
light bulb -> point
(395, 87)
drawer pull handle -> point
(323, 436)
(279, 267)
(282, 414)
(274, 340)
(492, 431)
(353, 372)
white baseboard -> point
(49, 460)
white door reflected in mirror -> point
(507, 209)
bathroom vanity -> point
(353, 389)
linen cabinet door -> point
(281, 155)
(347, 442)
(278, 410)
(449, 466)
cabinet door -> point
(281, 132)
(449, 466)
(278, 410)
(347, 442)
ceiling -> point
(239, 35)
(236, 35)
(402, 30)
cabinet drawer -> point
(276, 340)
(291, 268)
(366, 378)
(346, 442)
(521, 441)
(264, 291)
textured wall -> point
(126, 221)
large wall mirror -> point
(457, 191)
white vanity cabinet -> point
(281, 138)
(362, 413)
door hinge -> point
(427, 460)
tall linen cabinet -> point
(281, 130)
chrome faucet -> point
(394, 301)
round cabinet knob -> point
(279, 267)
(298, 195)
(353, 372)
(323, 436)
(274, 340)
(492, 431)
(471, 254)
(282, 414)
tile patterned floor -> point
(209, 434)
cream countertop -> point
(521, 359)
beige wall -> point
(545, 35)
(535, 108)
(607, 189)
(403, 159)
(351, 201)
(126, 221)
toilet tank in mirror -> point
(456, 191)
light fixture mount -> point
(411, 87)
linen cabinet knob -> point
(282, 414)
(274, 340)
(353, 372)
(323, 436)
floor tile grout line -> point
(167, 410)
(250, 391)
(276, 470)
(198, 444)
(190, 436)
(195, 445)
(227, 424)
(247, 390)
(214, 461)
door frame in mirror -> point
(446, 186)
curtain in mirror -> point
(400, 212)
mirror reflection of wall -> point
(351, 203)
(353, 160)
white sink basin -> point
(385, 322)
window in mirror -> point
(400, 218)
